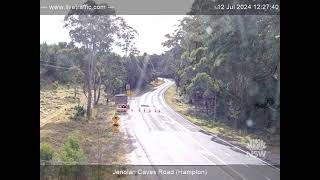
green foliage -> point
(202, 86)
(72, 153)
(46, 152)
(115, 71)
(79, 112)
(55, 85)
(236, 58)
(198, 53)
(117, 84)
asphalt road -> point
(160, 136)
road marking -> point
(162, 100)
(267, 178)
(204, 148)
(208, 152)
(138, 142)
(144, 119)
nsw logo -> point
(257, 148)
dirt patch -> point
(96, 137)
(57, 105)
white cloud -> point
(151, 29)
(51, 29)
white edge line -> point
(205, 147)
(219, 137)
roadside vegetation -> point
(59, 103)
(62, 116)
(227, 75)
(222, 130)
(228, 67)
(149, 87)
(226, 70)
(68, 162)
(156, 82)
(78, 81)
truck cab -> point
(122, 107)
(121, 101)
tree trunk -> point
(75, 92)
(89, 101)
(84, 91)
(94, 89)
(207, 107)
(97, 87)
(215, 108)
(236, 123)
(99, 90)
(98, 97)
(89, 98)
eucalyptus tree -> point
(96, 34)
(241, 53)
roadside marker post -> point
(115, 129)
(116, 124)
(115, 120)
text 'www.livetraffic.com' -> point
(75, 7)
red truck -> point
(121, 101)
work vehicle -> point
(121, 101)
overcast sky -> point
(151, 29)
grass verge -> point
(100, 144)
(150, 87)
(157, 82)
(221, 130)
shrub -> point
(55, 85)
(80, 112)
(46, 152)
(72, 152)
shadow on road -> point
(218, 140)
(222, 142)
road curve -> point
(160, 136)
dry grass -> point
(56, 105)
(150, 87)
(96, 137)
(156, 82)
